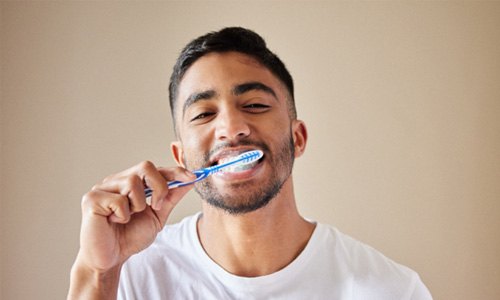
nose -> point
(231, 126)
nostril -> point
(231, 125)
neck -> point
(256, 243)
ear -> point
(299, 134)
(178, 153)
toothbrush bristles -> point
(242, 159)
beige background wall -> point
(402, 103)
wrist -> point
(91, 283)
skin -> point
(214, 119)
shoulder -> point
(368, 269)
(359, 256)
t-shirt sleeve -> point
(420, 291)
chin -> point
(236, 202)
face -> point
(227, 104)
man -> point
(228, 94)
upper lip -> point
(228, 152)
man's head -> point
(229, 39)
(227, 102)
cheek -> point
(276, 130)
(192, 138)
(195, 153)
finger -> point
(130, 186)
(150, 178)
(113, 206)
(137, 199)
(169, 174)
(121, 210)
(125, 183)
(100, 210)
(154, 180)
(133, 181)
(177, 173)
(169, 202)
(166, 204)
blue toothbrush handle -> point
(200, 174)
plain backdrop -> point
(402, 103)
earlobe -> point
(299, 133)
(178, 153)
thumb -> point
(168, 203)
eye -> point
(202, 116)
(257, 107)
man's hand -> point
(117, 222)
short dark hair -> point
(230, 39)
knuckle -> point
(120, 219)
(161, 194)
(126, 218)
(146, 165)
(88, 197)
(138, 207)
(133, 180)
(108, 178)
(178, 169)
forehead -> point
(220, 72)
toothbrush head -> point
(240, 160)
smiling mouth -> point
(238, 167)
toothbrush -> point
(242, 159)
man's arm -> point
(117, 222)
(92, 284)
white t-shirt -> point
(331, 266)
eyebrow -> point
(253, 86)
(238, 90)
(197, 96)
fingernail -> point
(159, 204)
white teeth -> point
(239, 167)
(225, 159)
